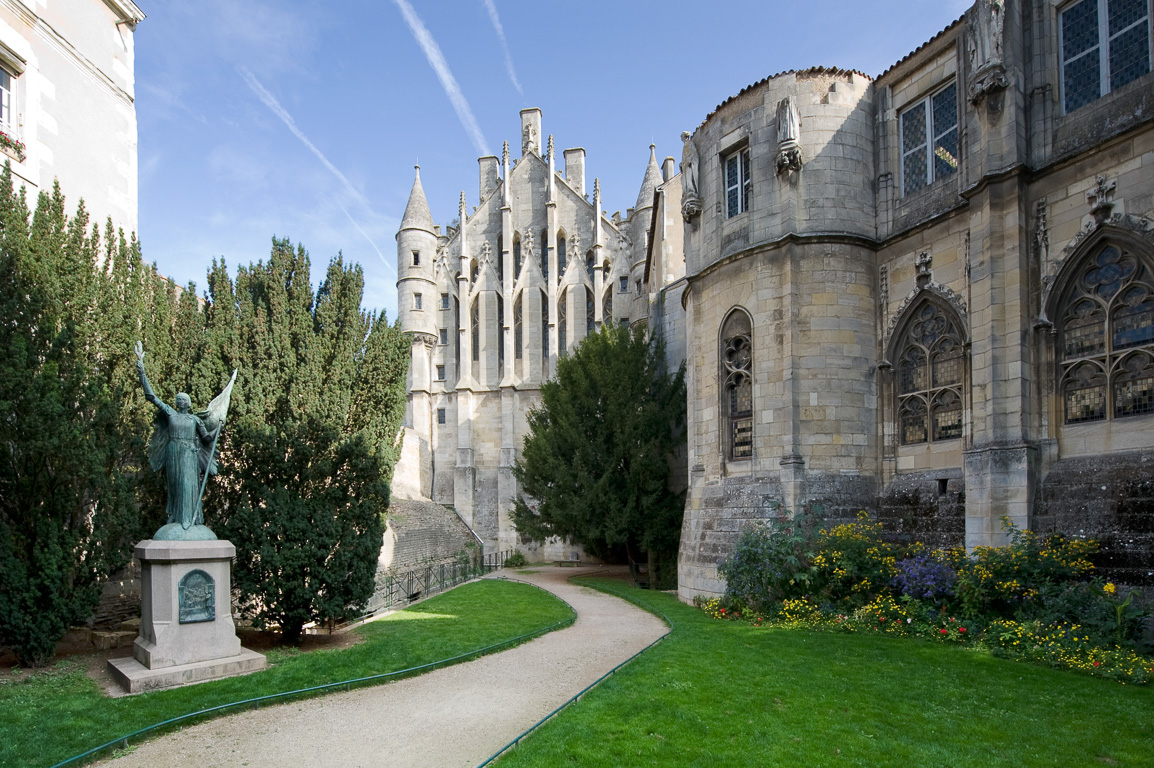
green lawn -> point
(60, 713)
(719, 693)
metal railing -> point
(395, 589)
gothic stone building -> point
(491, 301)
(931, 294)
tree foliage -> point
(67, 512)
(312, 439)
(596, 463)
(307, 455)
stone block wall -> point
(1109, 498)
(423, 532)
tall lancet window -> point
(500, 257)
(737, 384)
(499, 334)
(518, 331)
(475, 325)
(607, 306)
(516, 256)
(562, 261)
(545, 253)
(930, 370)
(1107, 337)
(589, 264)
(562, 326)
(590, 319)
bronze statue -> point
(184, 445)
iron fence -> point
(396, 589)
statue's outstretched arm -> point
(149, 395)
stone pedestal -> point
(186, 630)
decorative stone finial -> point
(550, 145)
(924, 263)
(1101, 198)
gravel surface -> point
(456, 716)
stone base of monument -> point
(186, 630)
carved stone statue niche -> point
(788, 136)
(690, 197)
(984, 35)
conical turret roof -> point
(651, 182)
(417, 215)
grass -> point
(716, 694)
(59, 713)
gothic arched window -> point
(545, 253)
(1106, 338)
(518, 332)
(475, 325)
(607, 306)
(590, 319)
(516, 256)
(589, 264)
(737, 384)
(562, 328)
(562, 262)
(930, 370)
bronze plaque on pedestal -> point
(197, 596)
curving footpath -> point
(455, 716)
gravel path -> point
(456, 716)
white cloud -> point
(493, 17)
(441, 68)
(271, 102)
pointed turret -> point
(417, 215)
(462, 212)
(651, 182)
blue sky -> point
(304, 119)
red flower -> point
(882, 618)
(961, 629)
(1095, 663)
(943, 631)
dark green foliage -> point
(308, 523)
(515, 560)
(66, 509)
(311, 440)
(771, 562)
(595, 465)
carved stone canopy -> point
(1101, 198)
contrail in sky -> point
(270, 101)
(441, 67)
(493, 17)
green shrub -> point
(771, 561)
(852, 562)
(515, 560)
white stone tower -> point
(417, 302)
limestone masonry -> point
(928, 294)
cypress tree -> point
(64, 511)
(595, 464)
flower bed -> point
(1035, 599)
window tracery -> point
(931, 368)
(1106, 347)
(737, 384)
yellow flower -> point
(1109, 588)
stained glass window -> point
(1107, 338)
(737, 380)
(931, 369)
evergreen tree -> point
(311, 441)
(596, 459)
(65, 510)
